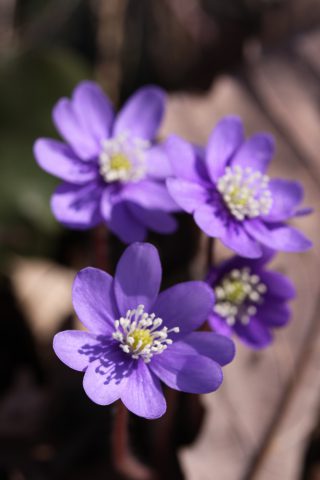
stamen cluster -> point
(139, 335)
(238, 295)
(245, 192)
(123, 159)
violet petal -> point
(94, 110)
(277, 285)
(105, 379)
(255, 334)
(219, 325)
(185, 305)
(185, 162)
(208, 219)
(138, 277)
(274, 314)
(68, 348)
(283, 238)
(142, 113)
(181, 370)
(156, 220)
(124, 224)
(93, 300)
(77, 206)
(286, 196)
(151, 195)
(59, 159)
(158, 164)
(209, 344)
(223, 142)
(187, 195)
(143, 394)
(255, 153)
(70, 128)
(238, 240)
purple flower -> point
(250, 300)
(226, 189)
(112, 171)
(138, 337)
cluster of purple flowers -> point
(114, 171)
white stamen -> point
(136, 338)
(238, 295)
(122, 159)
(245, 192)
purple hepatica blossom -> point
(138, 337)
(111, 170)
(231, 198)
(250, 300)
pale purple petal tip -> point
(59, 159)
(223, 142)
(178, 368)
(68, 347)
(142, 113)
(185, 162)
(106, 378)
(283, 238)
(150, 195)
(185, 305)
(77, 206)
(93, 109)
(143, 394)
(93, 300)
(255, 153)
(71, 129)
(286, 196)
(209, 344)
(138, 277)
(187, 195)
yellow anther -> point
(235, 291)
(119, 162)
(142, 338)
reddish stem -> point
(120, 434)
(210, 253)
(100, 240)
(124, 462)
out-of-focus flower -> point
(138, 337)
(250, 300)
(226, 189)
(112, 171)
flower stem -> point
(124, 462)
(100, 241)
(210, 253)
(120, 435)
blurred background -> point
(256, 58)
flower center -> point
(122, 159)
(245, 192)
(119, 162)
(139, 335)
(141, 338)
(238, 295)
